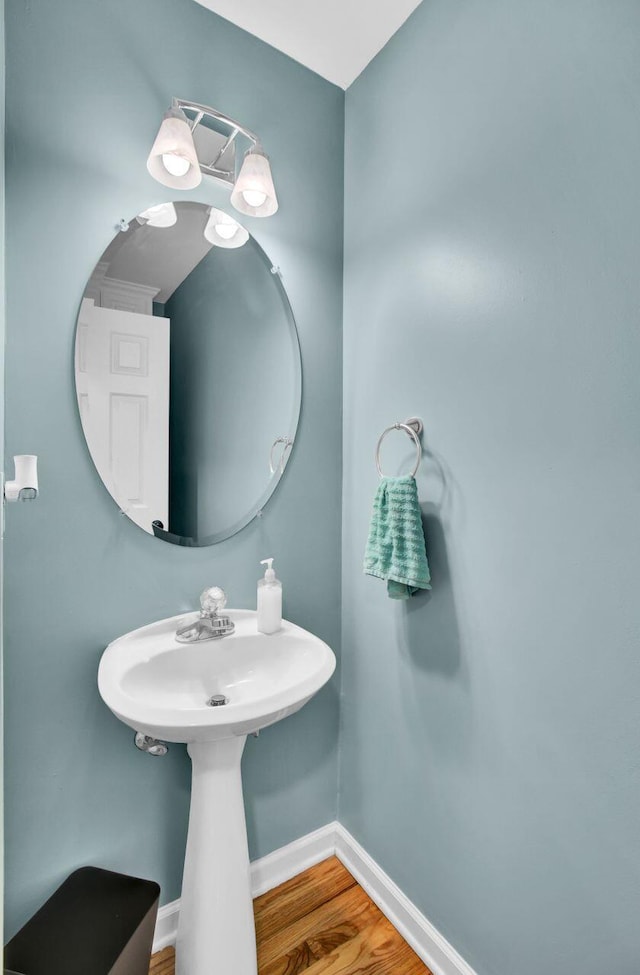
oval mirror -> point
(188, 373)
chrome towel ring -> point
(413, 427)
(287, 444)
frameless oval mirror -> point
(188, 373)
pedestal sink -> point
(163, 688)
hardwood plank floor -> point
(321, 923)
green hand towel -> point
(395, 548)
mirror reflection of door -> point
(122, 369)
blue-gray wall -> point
(87, 84)
(491, 729)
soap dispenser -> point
(269, 600)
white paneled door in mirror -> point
(122, 379)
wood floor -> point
(321, 923)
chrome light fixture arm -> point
(205, 110)
(201, 112)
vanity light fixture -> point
(223, 231)
(196, 139)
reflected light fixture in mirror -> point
(173, 160)
(161, 215)
(223, 231)
(203, 142)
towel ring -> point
(287, 444)
(413, 427)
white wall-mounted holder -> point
(24, 487)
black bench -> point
(97, 923)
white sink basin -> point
(161, 687)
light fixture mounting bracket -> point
(214, 135)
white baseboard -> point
(166, 926)
(266, 873)
(283, 864)
(292, 859)
(427, 942)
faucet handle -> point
(212, 601)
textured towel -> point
(395, 548)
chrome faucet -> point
(209, 625)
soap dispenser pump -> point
(269, 600)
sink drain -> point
(217, 701)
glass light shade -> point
(254, 192)
(223, 231)
(173, 160)
(162, 215)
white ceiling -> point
(335, 38)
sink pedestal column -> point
(216, 933)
